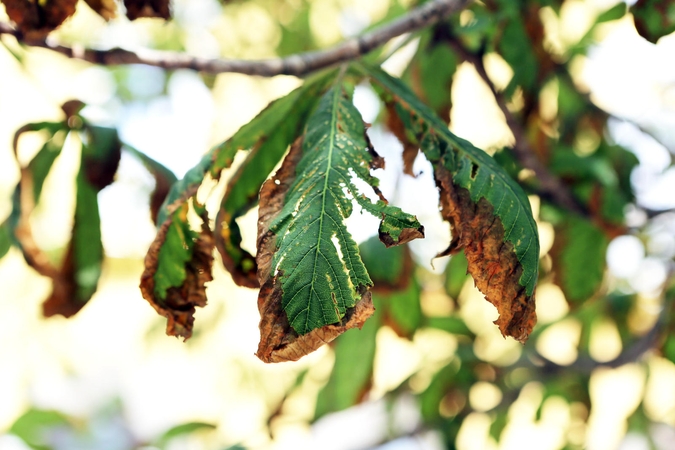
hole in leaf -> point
(474, 170)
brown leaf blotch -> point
(407, 235)
(492, 261)
(179, 305)
(278, 341)
(37, 19)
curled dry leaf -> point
(178, 303)
(147, 8)
(36, 19)
(278, 340)
(75, 280)
(491, 259)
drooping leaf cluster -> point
(316, 282)
(76, 271)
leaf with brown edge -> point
(492, 261)
(653, 18)
(268, 136)
(75, 280)
(137, 9)
(278, 340)
(104, 8)
(489, 213)
(316, 266)
(36, 19)
(185, 258)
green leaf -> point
(431, 74)
(175, 252)
(386, 266)
(476, 171)
(616, 12)
(451, 324)
(320, 272)
(402, 308)
(396, 292)
(654, 18)
(456, 274)
(187, 186)
(87, 239)
(176, 267)
(34, 426)
(432, 396)
(5, 238)
(43, 161)
(164, 179)
(286, 120)
(516, 48)
(181, 430)
(475, 192)
(77, 279)
(579, 258)
(352, 371)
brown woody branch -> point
(550, 186)
(299, 64)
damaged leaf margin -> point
(314, 284)
(177, 267)
(279, 341)
(75, 280)
(283, 122)
(489, 214)
(172, 282)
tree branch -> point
(299, 64)
(550, 186)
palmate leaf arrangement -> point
(313, 283)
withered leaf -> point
(489, 213)
(104, 8)
(147, 8)
(75, 280)
(492, 260)
(267, 137)
(36, 19)
(316, 265)
(176, 300)
(278, 340)
(653, 18)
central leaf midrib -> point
(331, 146)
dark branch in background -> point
(550, 186)
(299, 64)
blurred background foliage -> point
(570, 81)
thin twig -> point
(299, 64)
(550, 186)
